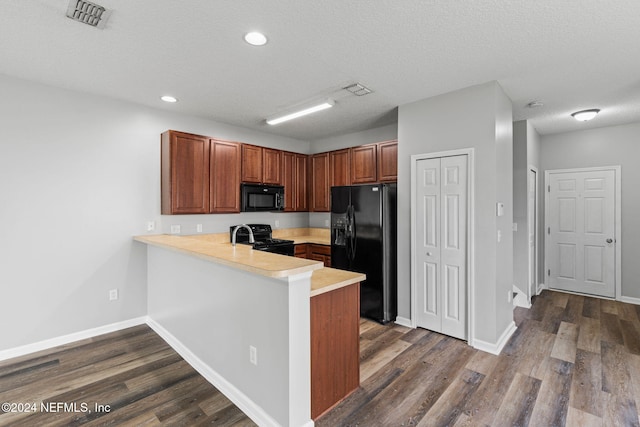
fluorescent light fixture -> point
(585, 115)
(255, 39)
(169, 98)
(303, 112)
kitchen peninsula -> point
(278, 335)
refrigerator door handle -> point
(354, 233)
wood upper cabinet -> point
(261, 165)
(225, 176)
(340, 167)
(295, 180)
(200, 175)
(364, 164)
(185, 173)
(320, 182)
(271, 166)
(388, 161)
(301, 179)
(251, 163)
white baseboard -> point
(630, 300)
(541, 287)
(496, 348)
(66, 339)
(246, 405)
(403, 321)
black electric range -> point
(263, 239)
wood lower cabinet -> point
(335, 347)
(199, 174)
(388, 161)
(319, 253)
(315, 252)
(320, 195)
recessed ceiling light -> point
(255, 38)
(585, 115)
(169, 98)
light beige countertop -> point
(216, 248)
(209, 247)
(318, 236)
(329, 279)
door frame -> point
(617, 219)
(536, 233)
(470, 283)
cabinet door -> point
(302, 182)
(320, 182)
(300, 250)
(319, 253)
(185, 173)
(289, 180)
(225, 176)
(388, 161)
(340, 165)
(364, 164)
(271, 166)
(251, 163)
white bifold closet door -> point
(441, 245)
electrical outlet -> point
(515, 226)
(509, 295)
(499, 236)
(113, 294)
(199, 228)
(175, 229)
(277, 223)
(253, 355)
(151, 225)
(326, 222)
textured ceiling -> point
(568, 54)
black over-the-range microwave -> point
(256, 197)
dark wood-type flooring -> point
(145, 382)
(574, 361)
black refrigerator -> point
(363, 239)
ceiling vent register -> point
(358, 89)
(88, 13)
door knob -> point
(609, 240)
(428, 253)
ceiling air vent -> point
(88, 13)
(358, 89)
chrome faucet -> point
(235, 230)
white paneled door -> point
(441, 213)
(581, 232)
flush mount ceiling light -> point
(318, 106)
(585, 115)
(255, 39)
(534, 104)
(169, 98)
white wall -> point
(79, 176)
(217, 312)
(478, 117)
(383, 133)
(606, 146)
(526, 153)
